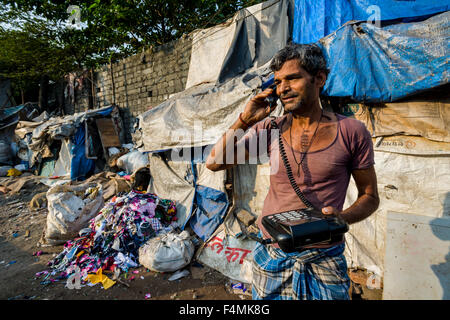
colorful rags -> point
(114, 236)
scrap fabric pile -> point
(114, 236)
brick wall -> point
(142, 81)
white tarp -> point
(174, 180)
(250, 187)
(198, 116)
(427, 118)
(417, 257)
(407, 183)
(247, 40)
(229, 255)
(209, 48)
(63, 164)
(228, 251)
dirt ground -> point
(21, 229)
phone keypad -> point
(288, 216)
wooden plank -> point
(108, 133)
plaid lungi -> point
(313, 274)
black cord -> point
(288, 168)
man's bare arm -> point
(225, 154)
(368, 199)
(227, 145)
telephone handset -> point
(270, 83)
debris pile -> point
(113, 238)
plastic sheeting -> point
(407, 183)
(198, 192)
(370, 64)
(211, 207)
(315, 19)
(408, 237)
(229, 255)
(80, 166)
(55, 128)
(197, 116)
(227, 250)
(426, 118)
(63, 164)
(248, 40)
(250, 187)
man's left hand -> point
(331, 210)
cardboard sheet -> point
(428, 119)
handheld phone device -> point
(295, 229)
(270, 83)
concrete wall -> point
(139, 82)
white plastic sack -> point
(132, 161)
(69, 210)
(20, 167)
(112, 151)
(167, 253)
(229, 255)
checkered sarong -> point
(313, 274)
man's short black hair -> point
(310, 57)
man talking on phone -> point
(324, 150)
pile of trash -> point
(113, 238)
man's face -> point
(296, 87)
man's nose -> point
(284, 87)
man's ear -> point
(321, 78)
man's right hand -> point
(255, 110)
(258, 108)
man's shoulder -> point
(352, 126)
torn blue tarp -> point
(81, 167)
(315, 19)
(210, 208)
(370, 64)
(104, 112)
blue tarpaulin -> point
(371, 64)
(81, 167)
(210, 208)
(315, 19)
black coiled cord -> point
(288, 167)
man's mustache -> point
(286, 96)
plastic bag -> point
(69, 210)
(167, 253)
(14, 172)
(132, 161)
